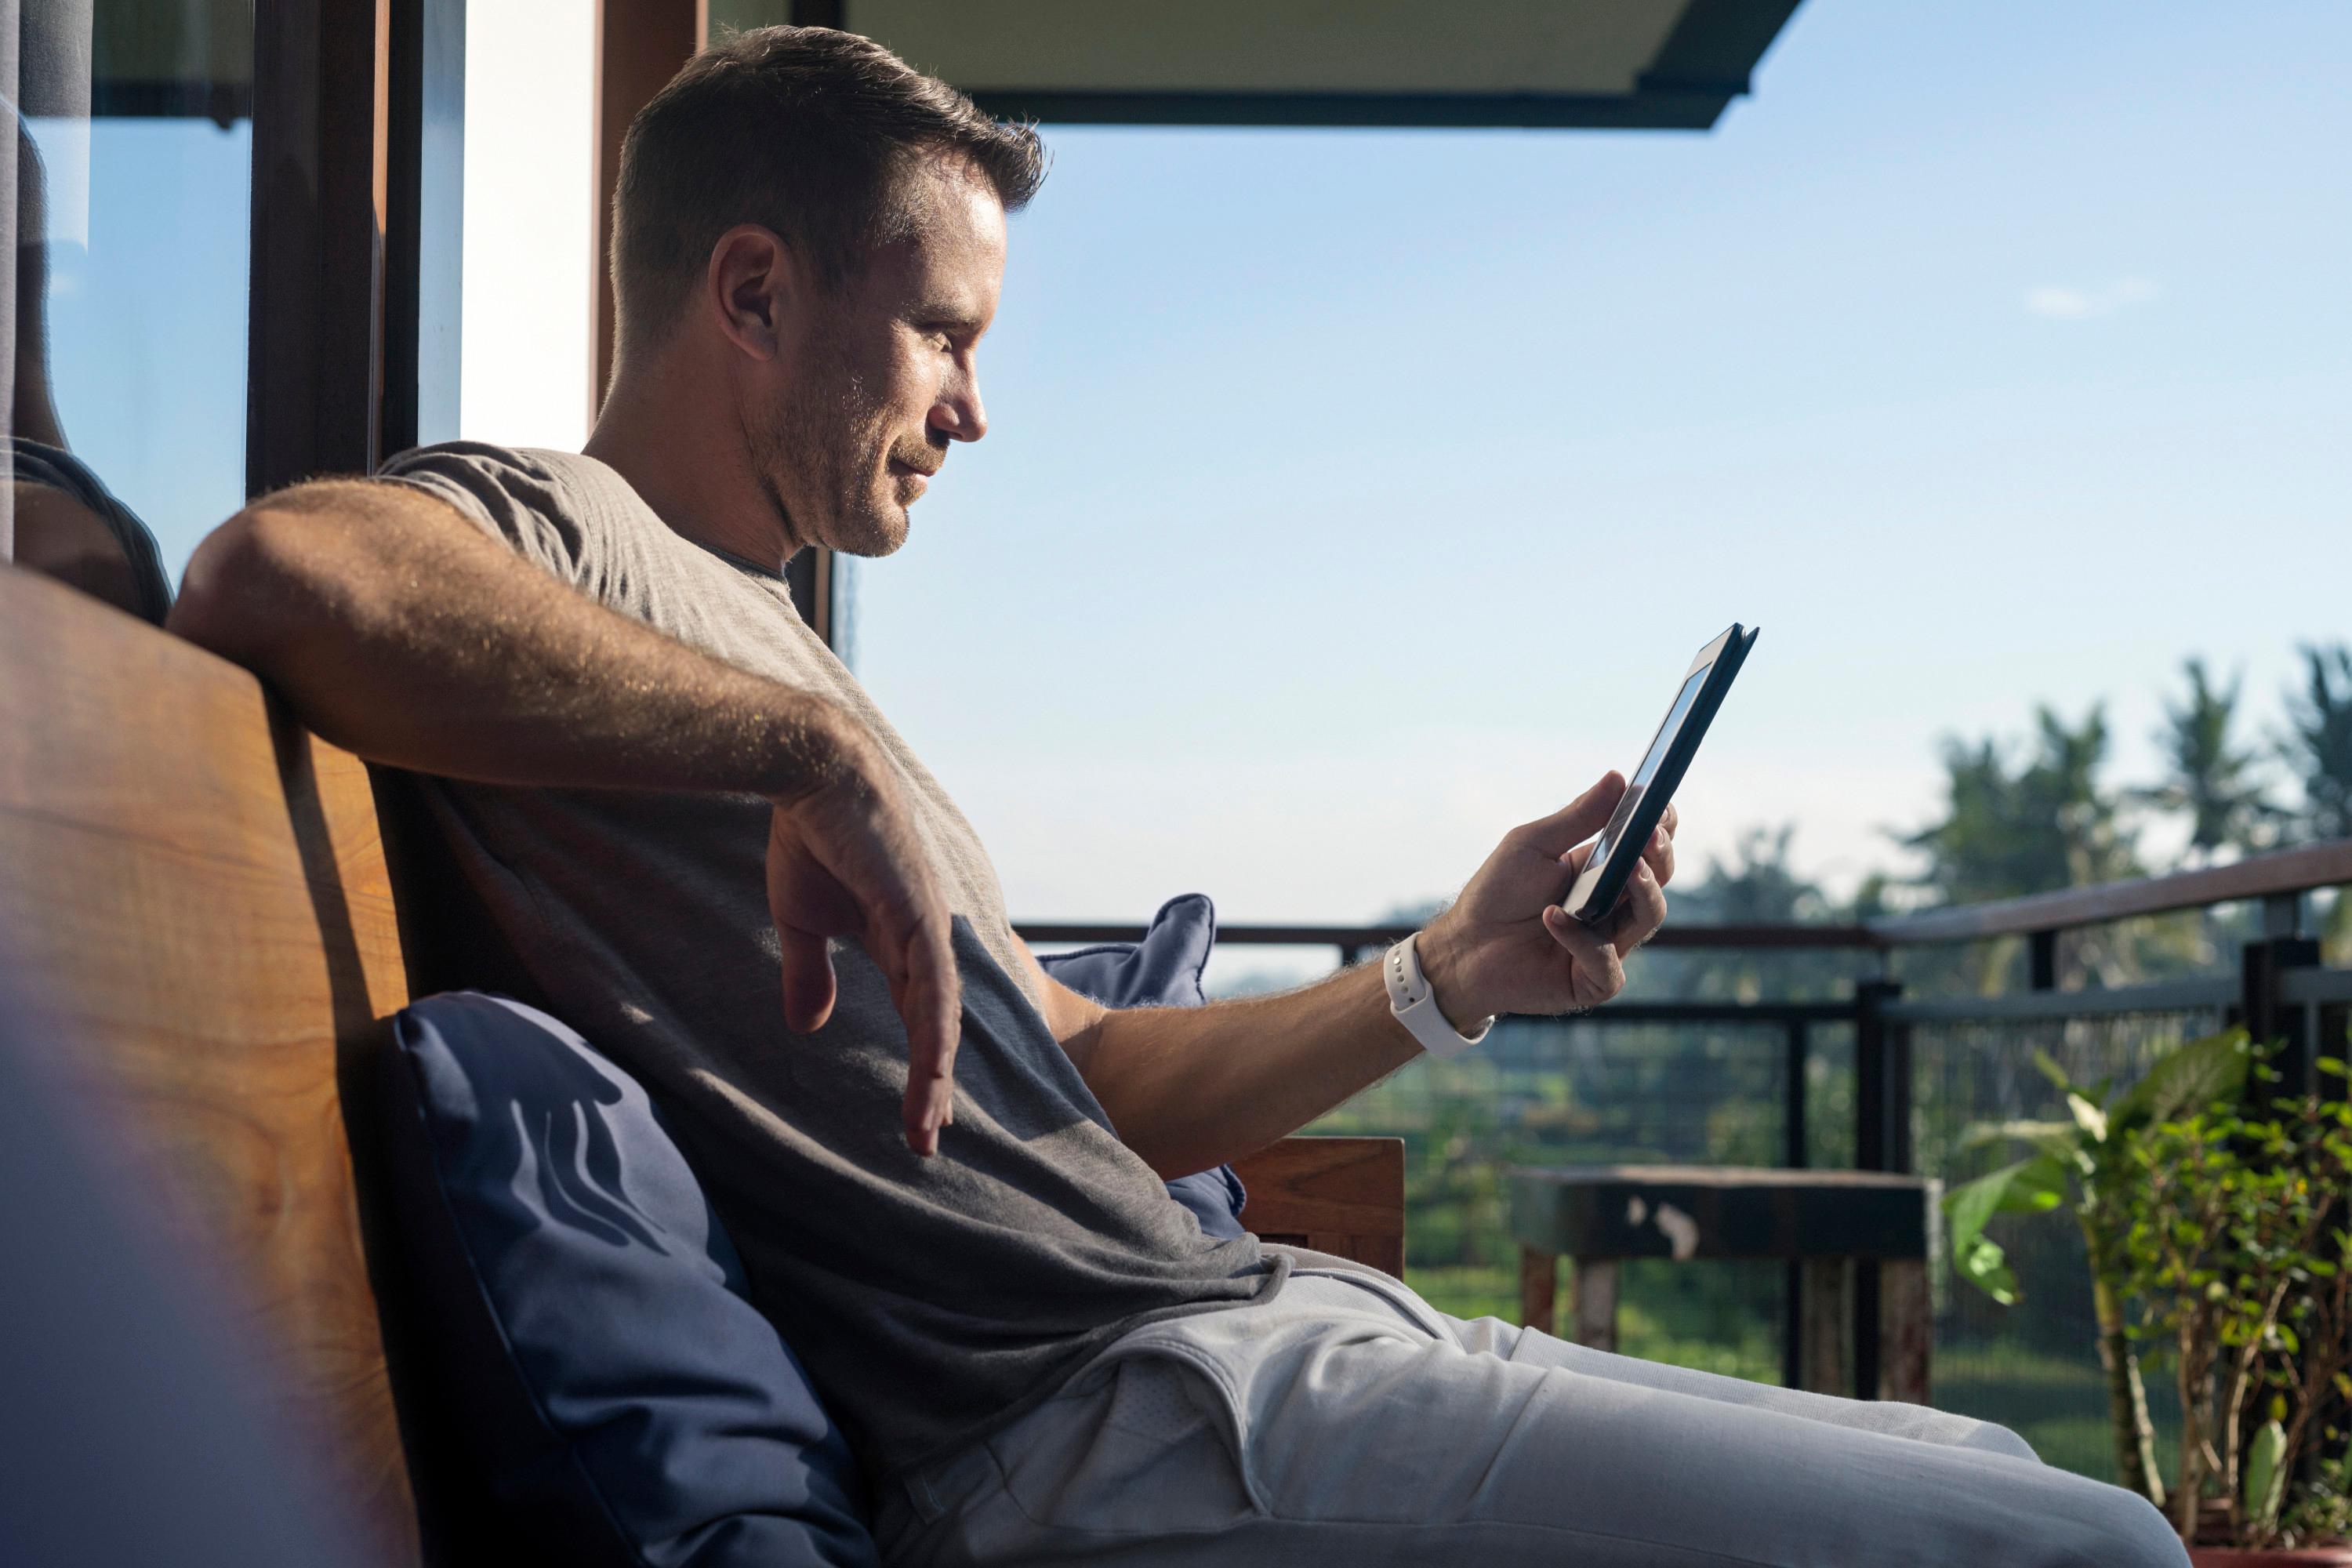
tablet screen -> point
(1649, 769)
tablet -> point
(1618, 851)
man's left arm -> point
(1190, 1088)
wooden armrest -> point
(1340, 1196)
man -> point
(943, 1168)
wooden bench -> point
(1824, 1222)
(200, 887)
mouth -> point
(912, 481)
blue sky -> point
(147, 315)
(1354, 495)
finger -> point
(809, 984)
(1580, 818)
(1595, 972)
(1601, 981)
(1641, 913)
(929, 995)
(1658, 855)
(1581, 941)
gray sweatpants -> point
(1348, 1422)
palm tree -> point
(2214, 781)
(2320, 743)
(2046, 824)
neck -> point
(687, 453)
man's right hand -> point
(846, 859)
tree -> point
(2048, 825)
(2319, 744)
(2043, 824)
(2211, 778)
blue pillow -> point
(1164, 970)
(624, 1402)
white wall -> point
(530, 218)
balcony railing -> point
(2279, 992)
(1922, 1069)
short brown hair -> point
(805, 130)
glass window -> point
(127, 282)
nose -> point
(957, 413)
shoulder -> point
(529, 475)
(568, 512)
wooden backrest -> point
(1340, 1196)
(199, 888)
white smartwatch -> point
(1415, 1004)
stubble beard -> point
(829, 447)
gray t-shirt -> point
(929, 1298)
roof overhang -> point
(1602, 64)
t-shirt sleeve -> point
(513, 498)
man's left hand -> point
(1507, 946)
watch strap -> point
(1415, 1004)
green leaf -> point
(2051, 1137)
(1984, 1265)
(2265, 1476)
(2187, 1079)
(2028, 1186)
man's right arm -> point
(395, 629)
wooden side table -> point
(1823, 1221)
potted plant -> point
(2084, 1163)
(2238, 1251)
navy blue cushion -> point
(1164, 970)
(623, 1400)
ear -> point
(752, 288)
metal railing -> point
(2276, 989)
(2279, 992)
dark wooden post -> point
(1906, 1329)
(2268, 1016)
(1882, 1080)
(2041, 949)
(1793, 1154)
(1826, 1334)
(1882, 1142)
(1539, 1289)
(314, 333)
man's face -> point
(879, 375)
